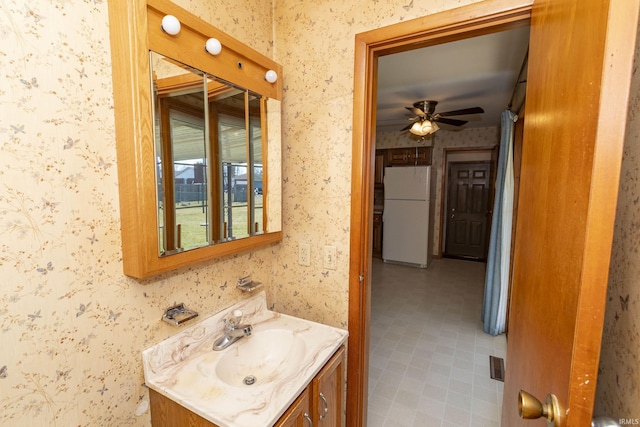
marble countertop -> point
(182, 366)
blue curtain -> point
(494, 310)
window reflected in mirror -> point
(209, 158)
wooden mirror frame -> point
(134, 31)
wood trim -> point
(481, 18)
(608, 148)
(363, 161)
(188, 47)
(132, 109)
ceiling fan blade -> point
(452, 122)
(416, 111)
(473, 110)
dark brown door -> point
(581, 55)
(468, 191)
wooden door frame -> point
(456, 24)
(445, 182)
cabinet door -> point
(298, 414)
(328, 393)
(400, 156)
(423, 156)
(409, 156)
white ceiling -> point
(475, 72)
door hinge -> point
(361, 278)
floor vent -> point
(496, 368)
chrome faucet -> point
(233, 331)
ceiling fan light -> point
(422, 128)
(434, 127)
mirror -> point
(198, 141)
(209, 169)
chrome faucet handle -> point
(234, 319)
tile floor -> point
(429, 359)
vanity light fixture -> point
(213, 46)
(271, 76)
(170, 25)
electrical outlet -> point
(304, 254)
(330, 257)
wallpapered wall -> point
(486, 137)
(72, 326)
(618, 391)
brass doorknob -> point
(531, 408)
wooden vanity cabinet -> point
(309, 407)
(328, 393)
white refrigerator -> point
(406, 222)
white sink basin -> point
(261, 358)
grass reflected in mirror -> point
(189, 217)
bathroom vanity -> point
(288, 372)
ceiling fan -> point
(426, 119)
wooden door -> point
(581, 53)
(468, 191)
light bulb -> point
(426, 127)
(416, 128)
(213, 46)
(170, 25)
(271, 76)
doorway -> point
(485, 18)
(579, 157)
